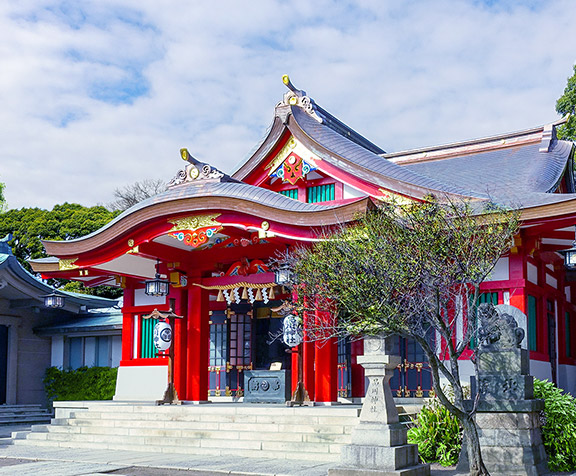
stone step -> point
(315, 437)
(319, 457)
(120, 425)
(23, 407)
(213, 419)
(312, 433)
(24, 420)
(183, 444)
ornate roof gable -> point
(197, 172)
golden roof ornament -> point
(196, 171)
(296, 97)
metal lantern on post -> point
(293, 337)
(570, 256)
(157, 286)
(283, 274)
(163, 332)
(54, 301)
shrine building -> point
(212, 234)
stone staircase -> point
(305, 433)
(13, 415)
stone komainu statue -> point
(496, 330)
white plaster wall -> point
(501, 271)
(57, 353)
(532, 273)
(567, 378)
(146, 383)
(541, 370)
(142, 299)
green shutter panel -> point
(147, 335)
(292, 193)
(322, 193)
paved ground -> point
(53, 461)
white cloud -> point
(97, 95)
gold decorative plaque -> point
(194, 222)
(67, 264)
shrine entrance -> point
(412, 377)
(243, 337)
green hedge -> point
(559, 425)
(85, 383)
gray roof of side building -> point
(515, 176)
(24, 285)
(90, 323)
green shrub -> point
(85, 383)
(559, 425)
(437, 434)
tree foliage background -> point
(29, 226)
(409, 270)
(566, 104)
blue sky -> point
(96, 95)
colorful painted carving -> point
(245, 267)
(293, 169)
(197, 237)
(195, 230)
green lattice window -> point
(568, 333)
(147, 335)
(322, 193)
(291, 193)
(532, 323)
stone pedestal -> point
(508, 417)
(379, 441)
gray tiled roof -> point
(518, 175)
(351, 157)
(208, 188)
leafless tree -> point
(130, 195)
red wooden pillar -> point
(309, 370)
(326, 375)
(198, 330)
(294, 367)
(518, 274)
(128, 326)
(180, 331)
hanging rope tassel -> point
(220, 297)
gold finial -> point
(288, 83)
(184, 153)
